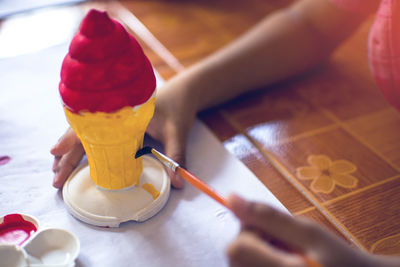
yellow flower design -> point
(326, 173)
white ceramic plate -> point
(97, 206)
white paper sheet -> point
(192, 230)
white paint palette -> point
(44, 248)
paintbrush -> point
(202, 186)
(189, 177)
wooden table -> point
(335, 115)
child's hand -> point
(260, 222)
(68, 152)
(174, 116)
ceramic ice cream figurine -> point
(107, 86)
(108, 91)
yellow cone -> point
(111, 141)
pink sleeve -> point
(384, 50)
(357, 6)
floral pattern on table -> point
(326, 174)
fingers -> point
(65, 144)
(68, 153)
(175, 149)
(249, 250)
(299, 233)
(176, 153)
(171, 123)
(64, 165)
(314, 244)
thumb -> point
(65, 143)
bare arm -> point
(286, 43)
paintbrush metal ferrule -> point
(165, 160)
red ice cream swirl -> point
(105, 68)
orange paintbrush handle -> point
(199, 184)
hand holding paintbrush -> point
(235, 204)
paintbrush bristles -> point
(143, 151)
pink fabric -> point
(383, 44)
(384, 50)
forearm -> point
(284, 44)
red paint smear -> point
(105, 68)
(4, 160)
(15, 229)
